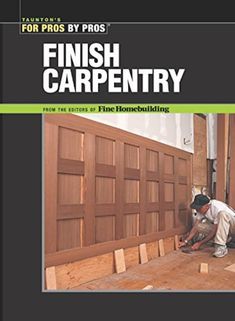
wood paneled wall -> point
(103, 184)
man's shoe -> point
(220, 251)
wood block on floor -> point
(161, 247)
(176, 242)
(230, 268)
(143, 253)
(50, 278)
(148, 287)
(120, 261)
(204, 268)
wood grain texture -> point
(161, 192)
(176, 189)
(169, 220)
(152, 162)
(143, 253)
(70, 276)
(120, 264)
(204, 268)
(230, 268)
(76, 254)
(89, 186)
(169, 192)
(120, 185)
(142, 197)
(131, 156)
(67, 166)
(105, 151)
(169, 244)
(152, 191)
(152, 222)
(104, 229)
(70, 234)
(120, 189)
(51, 278)
(71, 144)
(152, 250)
(176, 242)
(131, 256)
(168, 164)
(105, 190)
(74, 274)
(131, 225)
(161, 247)
(70, 189)
(132, 191)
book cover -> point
(118, 161)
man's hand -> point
(196, 246)
(181, 244)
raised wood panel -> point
(152, 161)
(131, 191)
(71, 144)
(169, 220)
(70, 189)
(131, 156)
(152, 222)
(105, 190)
(105, 151)
(70, 234)
(105, 229)
(169, 192)
(131, 225)
(152, 191)
(168, 164)
(182, 167)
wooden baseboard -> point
(77, 254)
(71, 275)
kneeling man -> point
(222, 229)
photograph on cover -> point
(139, 202)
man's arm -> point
(212, 233)
(192, 233)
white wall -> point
(170, 129)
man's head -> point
(201, 203)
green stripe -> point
(112, 108)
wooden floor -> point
(176, 271)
